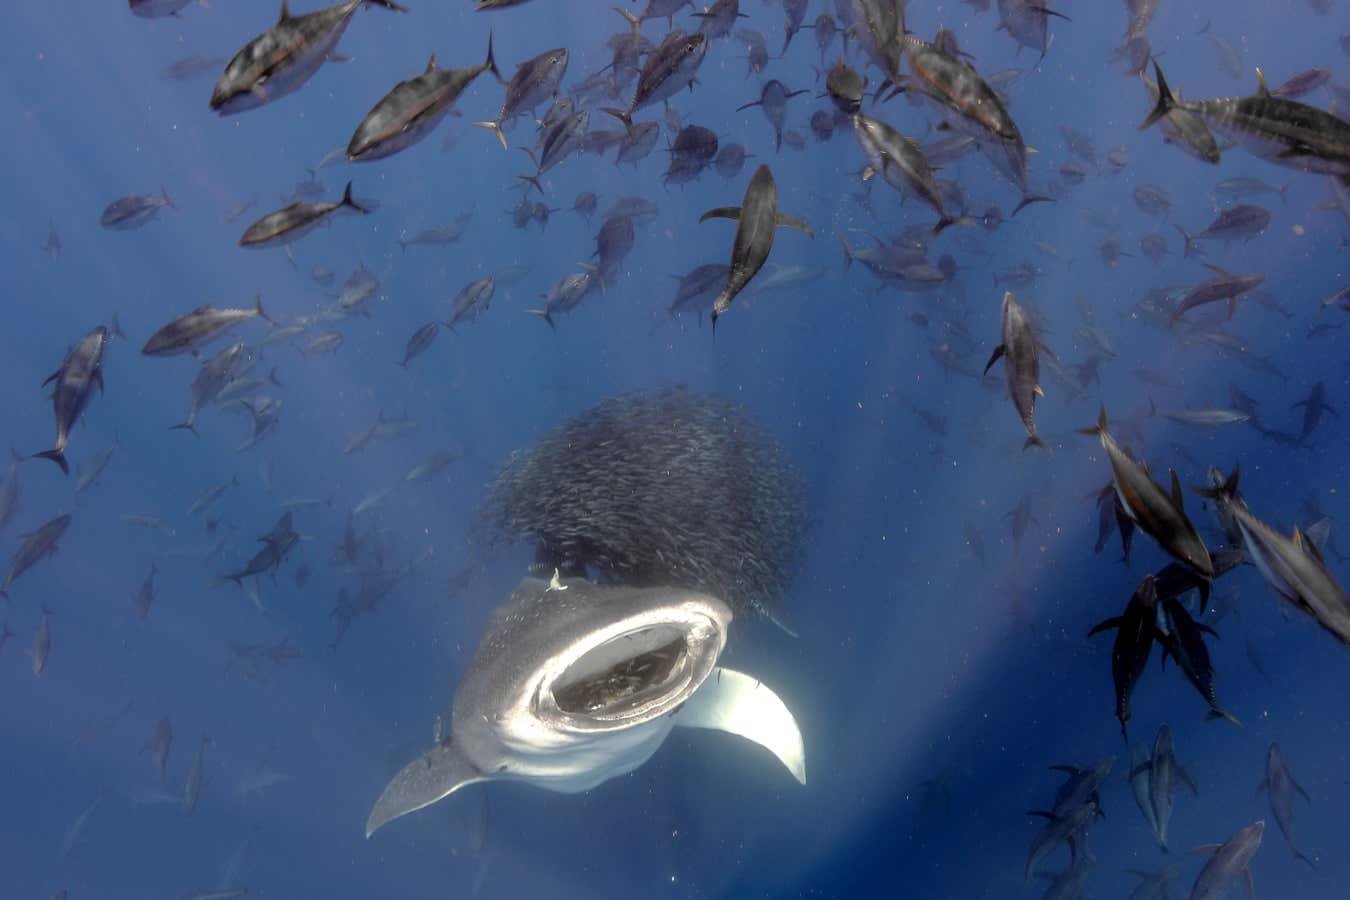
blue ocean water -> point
(933, 689)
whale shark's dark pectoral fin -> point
(421, 783)
(739, 704)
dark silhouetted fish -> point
(34, 547)
(1136, 629)
(758, 219)
(773, 101)
(1182, 638)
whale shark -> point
(575, 683)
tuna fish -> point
(535, 81)
(134, 210)
(285, 56)
(290, 223)
(73, 388)
(1229, 862)
(413, 109)
(1136, 630)
(34, 547)
(1182, 638)
(1020, 351)
(1240, 223)
(189, 333)
(1281, 786)
(758, 219)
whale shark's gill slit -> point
(623, 674)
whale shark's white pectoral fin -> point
(422, 782)
(740, 704)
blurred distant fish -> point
(90, 472)
(9, 490)
(154, 523)
(1304, 82)
(159, 745)
(439, 236)
(433, 465)
(143, 598)
(289, 224)
(42, 641)
(1028, 23)
(420, 341)
(1182, 638)
(154, 9)
(285, 56)
(134, 210)
(234, 212)
(52, 246)
(472, 301)
(190, 67)
(75, 833)
(192, 785)
(1240, 223)
(1281, 786)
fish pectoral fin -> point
(783, 221)
(1189, 781)
(422, 782)
(739, 704)
(1177, 497)
(1205, 848)
(721, 212)
(994, 357)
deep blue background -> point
(913, 662)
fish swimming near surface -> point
(413, 109)
(189, 333)
(72, 389)
(1281, 786)
(758, 219)
(576, 683)
(134, 210)
(1281, 131)
(1159, 515)
(1229, 862)
(1020, 350)
(285, 56)
(289, 224)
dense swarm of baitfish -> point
(656, 516)
(659, 487)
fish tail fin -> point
(543, 314)
(188, 425)
(1225, 491)
(491, 64)
(625, 118)
(1223, 714)
(533, 180)
(495, 128)
(272, 377)
(1188, 238)
(348, 201)
(56, 456)
(1028, 199)
(947, 221)
(1035, 440)
(257, 301)
(634, 22)
(167, 202)
(1098, 429)
(389, 5)
(1298, 854)
(1166, 102)
(848, 251)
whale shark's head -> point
(575, 683)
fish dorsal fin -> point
(285, 12)
(1297, 538)
(422, 782)
(431, 63)
(1177, 496)
(1261, 89)
(739, 704)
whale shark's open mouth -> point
(626, 675)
